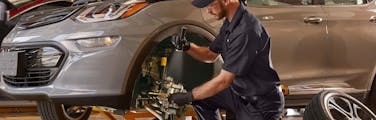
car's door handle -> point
(372, 19)
(313, 20)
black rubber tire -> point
(313, 110)
(316, 109)
(53, 111)
(371, 98)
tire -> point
(53, 111)
(334, 105)
(371, 98)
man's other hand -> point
(179, 40)
(181, 98)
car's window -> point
(346, 2)
(283, 2)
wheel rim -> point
(74, 112)
(343, 107)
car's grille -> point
(33, 78)
(33, 71)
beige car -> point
(108, 53)
(321, 45)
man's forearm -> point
(202, 53)
(208, 89)
(214, 86)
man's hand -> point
(179, 40)
(181, 98)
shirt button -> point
(228, 40)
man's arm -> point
(214, 86)
(202, 53)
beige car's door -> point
(299, 41)
(352, 56)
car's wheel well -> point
(146, 48)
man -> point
(247, 85)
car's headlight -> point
(110, 11)
(91, 44)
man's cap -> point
(201, 3)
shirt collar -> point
(235, 19)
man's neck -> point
(232, 10)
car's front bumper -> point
(88, 76)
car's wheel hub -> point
(341, 107)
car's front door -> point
(351, 28)
(299, 41)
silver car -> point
(108, 53)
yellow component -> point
(285, 89)
(164, 61)
(107, 41)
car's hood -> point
(34, 28)
(60, 24)
(41, 18)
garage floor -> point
(28, 111)
(34, 116)
(94, 116)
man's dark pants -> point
(267, 107)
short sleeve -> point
(241, 53)
(216, 45)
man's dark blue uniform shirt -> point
(245, 47)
